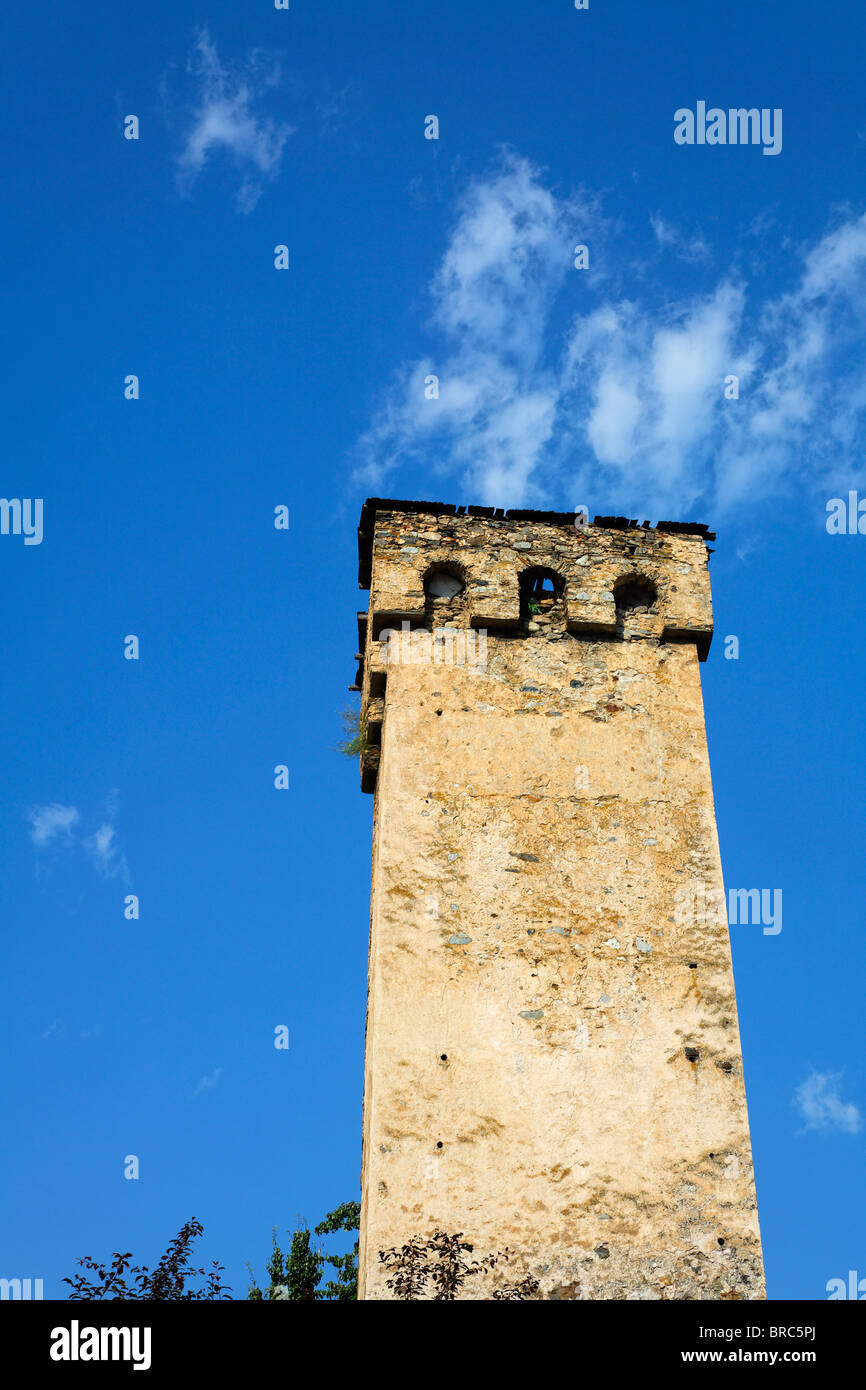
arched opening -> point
(540, 591)
(445, 596)
(633, 593)
(443, 582)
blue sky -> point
(601, 386)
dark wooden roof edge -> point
(394, 504)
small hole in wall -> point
(444, 1057)
(439, 1144)
(721, 1240)
(438, 711)
(692, 1053)
(693, 965)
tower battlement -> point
(494, 554)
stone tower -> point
(553, 1061)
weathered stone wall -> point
(553, 1059)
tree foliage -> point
(436, 1268)
(298, 1274)
(433, 1269)
(355, 741)
(169, 1281)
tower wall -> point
(553, 1062)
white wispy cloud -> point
(821, 1106)
(224, 118)
(103, 850)
(49, 823)
(56, 824)
(624, 402)
(207, 1083)
(492, 297)
(690, 248)
(648, 390)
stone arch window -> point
(540, 591)
(443, 582)
(633, 593)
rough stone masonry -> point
(553, 1062)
